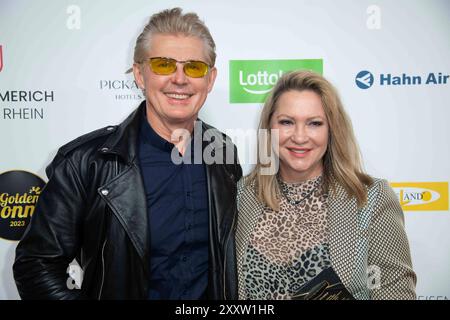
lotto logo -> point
(252, 80)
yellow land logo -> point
(422, 196)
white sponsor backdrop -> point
(72, 48)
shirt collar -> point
(149, 136)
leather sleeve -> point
(238, 168)
(52, 240)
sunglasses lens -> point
(163, 66)
(196, 69)
(166, 66)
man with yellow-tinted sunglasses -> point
(142, 224)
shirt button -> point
(110, 128)
(105, 192)
(104, 150)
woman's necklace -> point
(297, 202)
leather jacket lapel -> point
(125, 196)
(125, 193)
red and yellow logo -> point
(1, 58)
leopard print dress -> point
(288, 248)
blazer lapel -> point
(249, 209)
(343, 235)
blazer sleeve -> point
(389, 253)
(52, 240)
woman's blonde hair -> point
(173, 21)
(341, 161)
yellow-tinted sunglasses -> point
(166, 66)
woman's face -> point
(303, 133)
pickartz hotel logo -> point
(252, 80)
(121, 89)
(366, 79)
(19, 193)
(422, 196)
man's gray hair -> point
(172, 21)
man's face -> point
(174, 98)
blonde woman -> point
(318, 228)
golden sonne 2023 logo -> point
(19, 193)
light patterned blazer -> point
(368, 247)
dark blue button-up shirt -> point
(177, 206)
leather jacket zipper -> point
(103, 269)
(225, 258)
(116, 169)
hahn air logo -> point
(366, 79)
(1, 58)
(252, 80)
(422, 196)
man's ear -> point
(212, 78)
(138, 76)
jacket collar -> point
(123, 141)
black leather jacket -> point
(93, 208)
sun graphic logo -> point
(364, 79)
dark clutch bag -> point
(325, 286)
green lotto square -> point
(252, 80)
